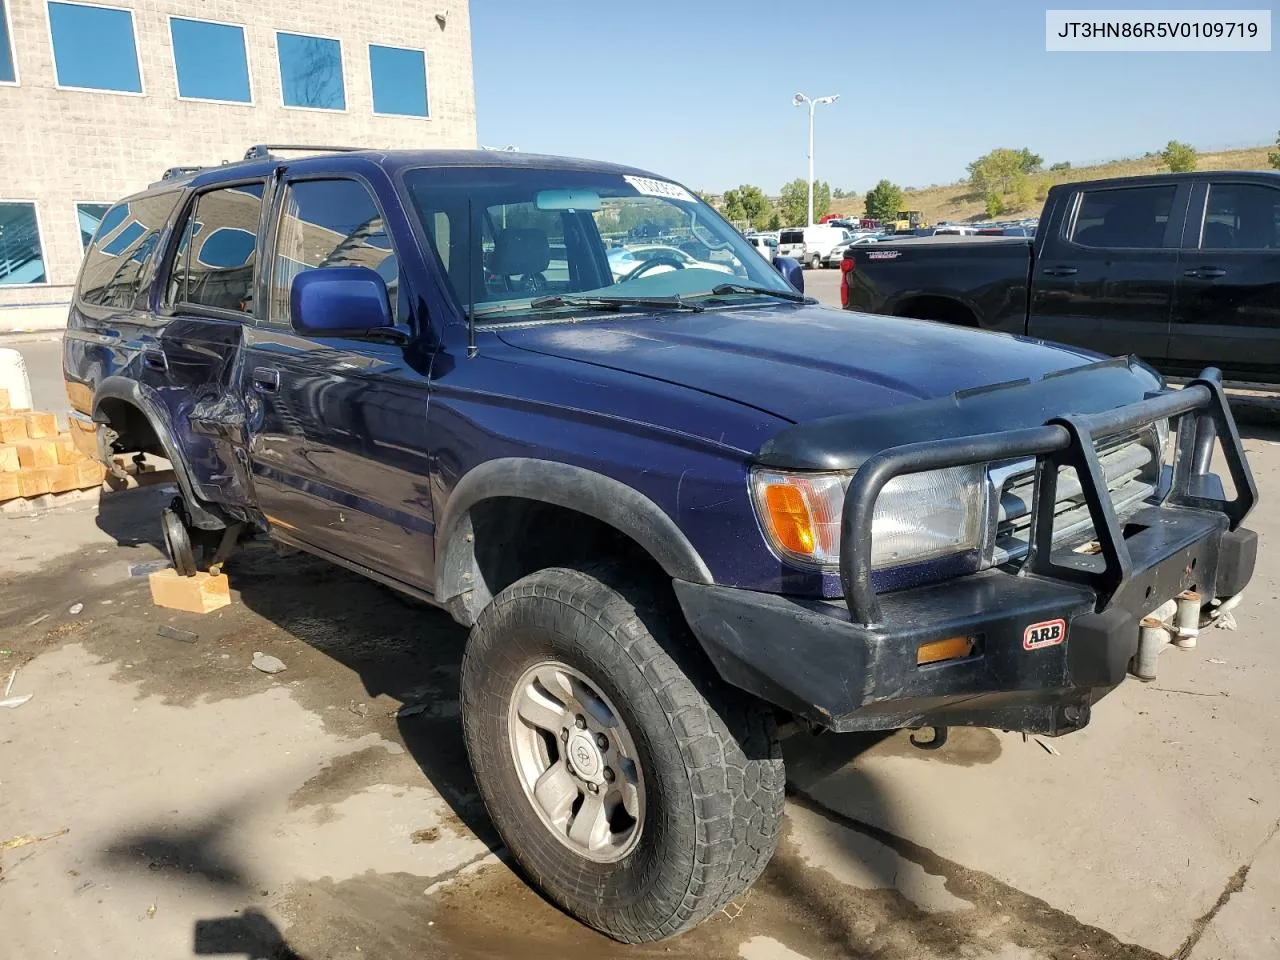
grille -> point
(1131, 466)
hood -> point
(799, 363)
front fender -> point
(574, 488)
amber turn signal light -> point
(952, 648)
(789, 518)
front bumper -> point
(853, 664)
(810, 658)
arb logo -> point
(1049, 633)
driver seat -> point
(522, 252)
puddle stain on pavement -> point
(312, 615)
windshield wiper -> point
(616, 303)
(726, 288)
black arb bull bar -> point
(1202, 415)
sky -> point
(700, 90)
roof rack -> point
(264, 151)
(174, 172)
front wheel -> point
(637, 790)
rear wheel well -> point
(941, 309)
(128, 428)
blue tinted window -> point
(399, 80)
(90, 217)
(227, 247)
(93, 48)
(311, 72)
(210, 60)
(118, 244)
(21, 257)
(8, 72)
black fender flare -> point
(574, 488)
(131, 392)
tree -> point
(1274, 158)
(1029, 162)
(1060, 167)
(997, 171)
(1179, 157)
(995, 206)
(747, 202)
(839, 194)
(775, 221)
(883, 201)
(794, 202)
(1024, 191)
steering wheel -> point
(661, 260)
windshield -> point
(508, 237)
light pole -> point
(799, 100)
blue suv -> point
(677, 504)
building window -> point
(21, 256)
(399, 81)
(94, 48)
(210, 61)
(90, 216)
(8, 68)
(311, 72)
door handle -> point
(1205, 273)
(266, 380)
(1060, 271)
(155, 360)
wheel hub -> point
(584, 757)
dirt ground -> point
(184, 804)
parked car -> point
(810, 245)
(765, 244)
(833, 258)
(671, 509)
(1182, 270)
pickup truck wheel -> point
(177, 538)
(637, 790)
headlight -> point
(918, 516)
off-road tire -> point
(708, 753)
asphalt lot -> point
(212, 810)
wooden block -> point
(13, 428)
(199, 594)
(89, 473)
(81, 397)
(63, 478)
(9, 462)
(4, 401)
(32, 483)
(9, 487)
(41, 425)
(37, 453)
(67, 452)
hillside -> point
(956, 202)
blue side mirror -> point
(791, 271)
(339, 302)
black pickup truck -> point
(1182, 270)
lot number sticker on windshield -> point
(659, 188)
(1047, 633)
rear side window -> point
(1241, 216)
(329, 223)
(214, 266)
(118, 266)
(1129, 217)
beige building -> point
(98, 99)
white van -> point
(810, 245)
